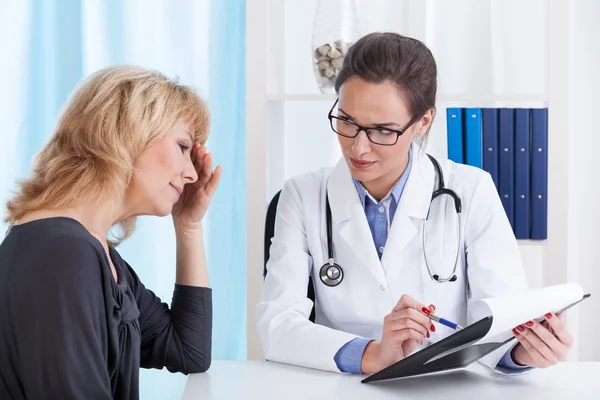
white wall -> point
(584, 144)
(490, 53)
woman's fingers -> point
(539, 344)
(409, 346)
(412, 314)
(198, 156)
(558, 351)
(537, 358)
(194, 153)
(407, 323)
(212, 185)
(205, 174)
(406, 334)
(559, 330)
(408, 302)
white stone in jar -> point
(334, 53)
(324, 64)
(337, 63)
(319, 56)
(323, 50)
(328, 72)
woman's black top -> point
(69, 331)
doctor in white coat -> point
(372, 308)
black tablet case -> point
(461, 348)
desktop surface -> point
(269, 380)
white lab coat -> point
(489, 262)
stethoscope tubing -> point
(331, 274)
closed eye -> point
(183, 147)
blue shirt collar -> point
(396, 191)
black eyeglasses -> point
(381, 136)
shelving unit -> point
(456, 101)
(300, 97)
(286, 113)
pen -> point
(445, 322)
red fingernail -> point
(428, 335)
(432, 306)
(529, 324)
(432, 328)
(548, 316)
(515, 331)
(426, 311)
(520, 328)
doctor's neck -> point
(381, 186)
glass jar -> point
(335, 29)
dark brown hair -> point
(391, 57)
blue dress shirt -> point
(349, 356)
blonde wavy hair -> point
(110, 119)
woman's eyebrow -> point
(383, 124)
(344, 112)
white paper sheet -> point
(514, 309)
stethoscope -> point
(332, 274)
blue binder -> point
(473, 137)
(454, 122)
(489, 118)
(506, 162)
(539, 173)
(522, 171)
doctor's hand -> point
(542, 344)
(403, 329)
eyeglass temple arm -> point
(333, 106)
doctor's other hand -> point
(542, 344)
(403, 329)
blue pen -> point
(445, 322)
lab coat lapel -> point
(412, 209)
(350, 221)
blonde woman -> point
(75, 320)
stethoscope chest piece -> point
(331, 274)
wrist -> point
(370, 361)
(188, 232)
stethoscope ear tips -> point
(437, 278)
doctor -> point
(395, 254)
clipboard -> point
(456, 351)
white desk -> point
(268, 380)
